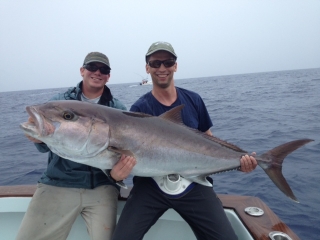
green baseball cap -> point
(96, 57)
(160, 46)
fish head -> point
(69, 129)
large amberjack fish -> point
(96, 135)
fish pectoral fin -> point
(121, 151)
(200, 179)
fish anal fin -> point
(201, 179)
(122, 184)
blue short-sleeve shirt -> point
(194, 114)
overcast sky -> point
(43, 43)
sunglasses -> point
(93, 68)
(157, 63)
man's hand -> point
(248, 163)
(123, 167)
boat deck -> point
(257, 227)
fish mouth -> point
(36, 126)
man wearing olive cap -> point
(67, 189)
(197, 204)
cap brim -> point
(160, 49)
(99, 62)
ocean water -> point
(254, 111)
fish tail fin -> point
(272, 160)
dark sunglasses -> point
(157, 63)
(93, 68)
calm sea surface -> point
(254, 111)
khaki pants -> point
(53, 210)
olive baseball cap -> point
(160, 46)
(97, 57)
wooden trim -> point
(28, 191)
(17, 191)
(259, 227)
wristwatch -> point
(111, 179)
(108, 173)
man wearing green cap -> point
(198, 205)
(67, 189)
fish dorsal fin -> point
(173, 115)
(137, 114)
(224, 143)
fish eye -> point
(68, 115)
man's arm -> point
(247, 163)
